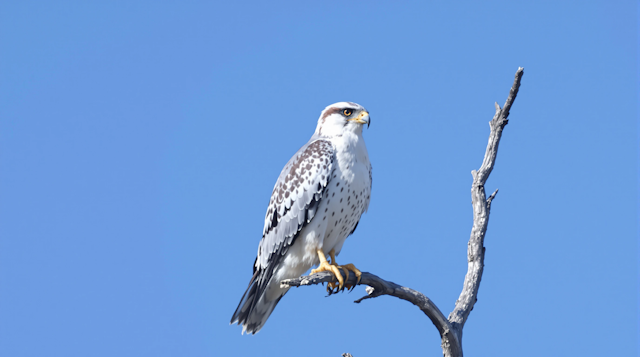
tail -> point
(257, 303)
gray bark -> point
(450, 329)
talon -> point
(331, 287)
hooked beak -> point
(363, 118)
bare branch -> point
(481, 206)
(493, 195)
(378, 287)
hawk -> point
(315, 205)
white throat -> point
(351, 152)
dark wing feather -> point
(295, 198)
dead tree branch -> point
(481, 208)
(450, 329)
(378, 287)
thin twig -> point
(493, 195)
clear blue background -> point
(139, 143)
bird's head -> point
(342, 117)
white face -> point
(341, 117)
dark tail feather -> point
(254, 309)
(244, 306)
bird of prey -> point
(315, 205)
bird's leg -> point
(325, 266)
(346, 269)
(332, 254)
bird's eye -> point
(347, 112)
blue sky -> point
(140, 141)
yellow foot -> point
(355, 270)
(346, 269)
(325, 266)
